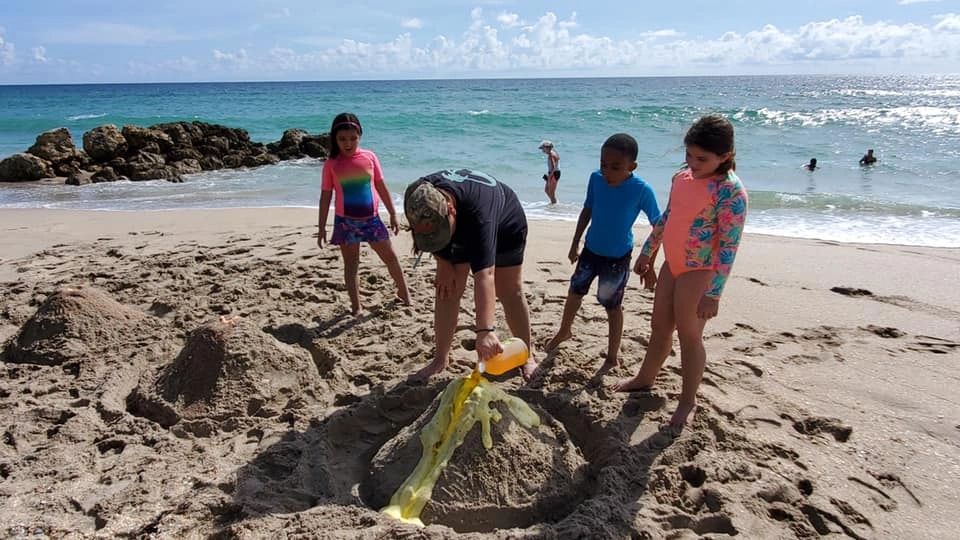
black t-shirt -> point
(490, 219)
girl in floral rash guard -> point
(700, 231)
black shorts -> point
(555, 173)
(510, 249)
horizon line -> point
(425, 79)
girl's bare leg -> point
(689, 290)
(384, 249)
(662, 325)
(351, 262)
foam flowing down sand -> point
(464, 403)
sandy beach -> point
(193, 374)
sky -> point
(99, 41)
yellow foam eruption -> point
(464, 402)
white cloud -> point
(665, 33)
(908, 2)
(948, 23)
(40, 55)
(510, 20)
(413, 23)
(8, 53)
(238, 60)
(552, 45)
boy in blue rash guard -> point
(615, 197)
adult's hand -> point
(488, 346)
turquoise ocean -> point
(911, 196)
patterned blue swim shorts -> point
(611, 273)
(348, 231)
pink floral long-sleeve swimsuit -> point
(701, 227)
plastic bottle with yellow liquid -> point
(514, 355)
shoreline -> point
(535, 217)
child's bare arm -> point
(384, 194)
(324, 209)
(585, 215)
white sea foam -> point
(85, 117)
(940, 119)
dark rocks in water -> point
(25, 167)
(102, 143)
(162, 151)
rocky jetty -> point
(162, 151)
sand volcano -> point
(527, 475)
(71, 324)
(227, 370)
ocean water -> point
(911, 196)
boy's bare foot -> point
(429, 370)
(632, 384)
(611, 363)
(680, 416)
(558, 339)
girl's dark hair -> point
(341, 122)
(623, 143)
(714, 133)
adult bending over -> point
(471, 222)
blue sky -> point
(59, 41)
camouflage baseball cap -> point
(426, 210)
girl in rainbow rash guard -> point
(700, 232)
(354, 174)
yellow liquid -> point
(464, 402)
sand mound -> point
(69, 325)
(528, 476)
(227, 369)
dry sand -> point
(197, 374)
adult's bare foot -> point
(527, 370)
(557, 340)
(404, 295)
(633, 384)
(429, 370)
(679, 419)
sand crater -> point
(529, 476)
